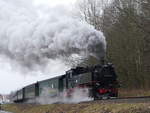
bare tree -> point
(91, 11)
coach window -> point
(70, 74)
(76, 81)
(52, 85)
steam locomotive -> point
(100, 80)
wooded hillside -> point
(126, 26)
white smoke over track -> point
(31, 36)
(50, 96)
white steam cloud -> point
(50, 96)
(31, 35)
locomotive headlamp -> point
(96, 71)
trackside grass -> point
(80, 108)
(134, 92)
(91, 107)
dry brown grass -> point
(80, 108)
(134, 92)
(87, 107)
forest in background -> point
(126, 26)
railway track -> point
(4, 111)
(143, 99)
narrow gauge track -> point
(143, 99)
(4, 111)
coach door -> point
(62, 84)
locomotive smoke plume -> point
(30, 36)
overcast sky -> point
(11, 79)
(54, 2)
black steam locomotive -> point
(101, 80)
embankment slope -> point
(80, 108)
